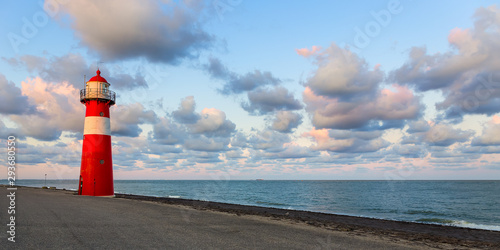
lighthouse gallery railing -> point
(87, 93)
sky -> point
(240, 90)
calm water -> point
(474, 204)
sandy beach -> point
(60, 219)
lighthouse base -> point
(96, 174)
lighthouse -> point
(96, 172)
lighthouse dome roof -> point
(98, 77)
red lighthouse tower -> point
(96, 173)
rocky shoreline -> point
(426, 233)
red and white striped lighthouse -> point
(96, 173)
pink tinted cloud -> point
(464, 41)
(305, 52)
(325, 142)
(58, 109)
(346, 141)
(495, 119)
(397, 104)
(491, 132)
(456, 35)
(320, 135)
(314, 100)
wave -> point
(462, 223)
(459, 223)
(271, 203)
(426, 212)
(436, 221)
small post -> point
(45, 186)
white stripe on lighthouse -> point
(96, 125)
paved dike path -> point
(57, 219)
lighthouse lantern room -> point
(96, 173)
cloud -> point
(213, 122)
(71, 68)
(208, 130)
(236, 83)
(204, 157)
(490, 135)
(163, 150)
(387, 106)
(426, 72)
(68, 68)
(478, 95)
(6, 132)
(262, 101)
(167, 132)
(127, 81)
(12, 100)
(125, 119)
(156, 30)
(264, 93)
(250, 81)
(57, 109)
(203, 143)
(418, 126)
(286, 121)
(492, 166)
(411, 151)
(234, 154)
(185, 113)
(305, 52)
(289, 151)
(217, 70)
(212, 131)
(445, 135)
(268, 140)
(342, 74)
(239, 140)
(61, 157)
(436, 135)
(128, 151)
(466, 74)
(445, 158)
(344, 141)
(343, 93)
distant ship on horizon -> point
(259, 179)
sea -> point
(471, 204)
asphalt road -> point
(54, 219)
